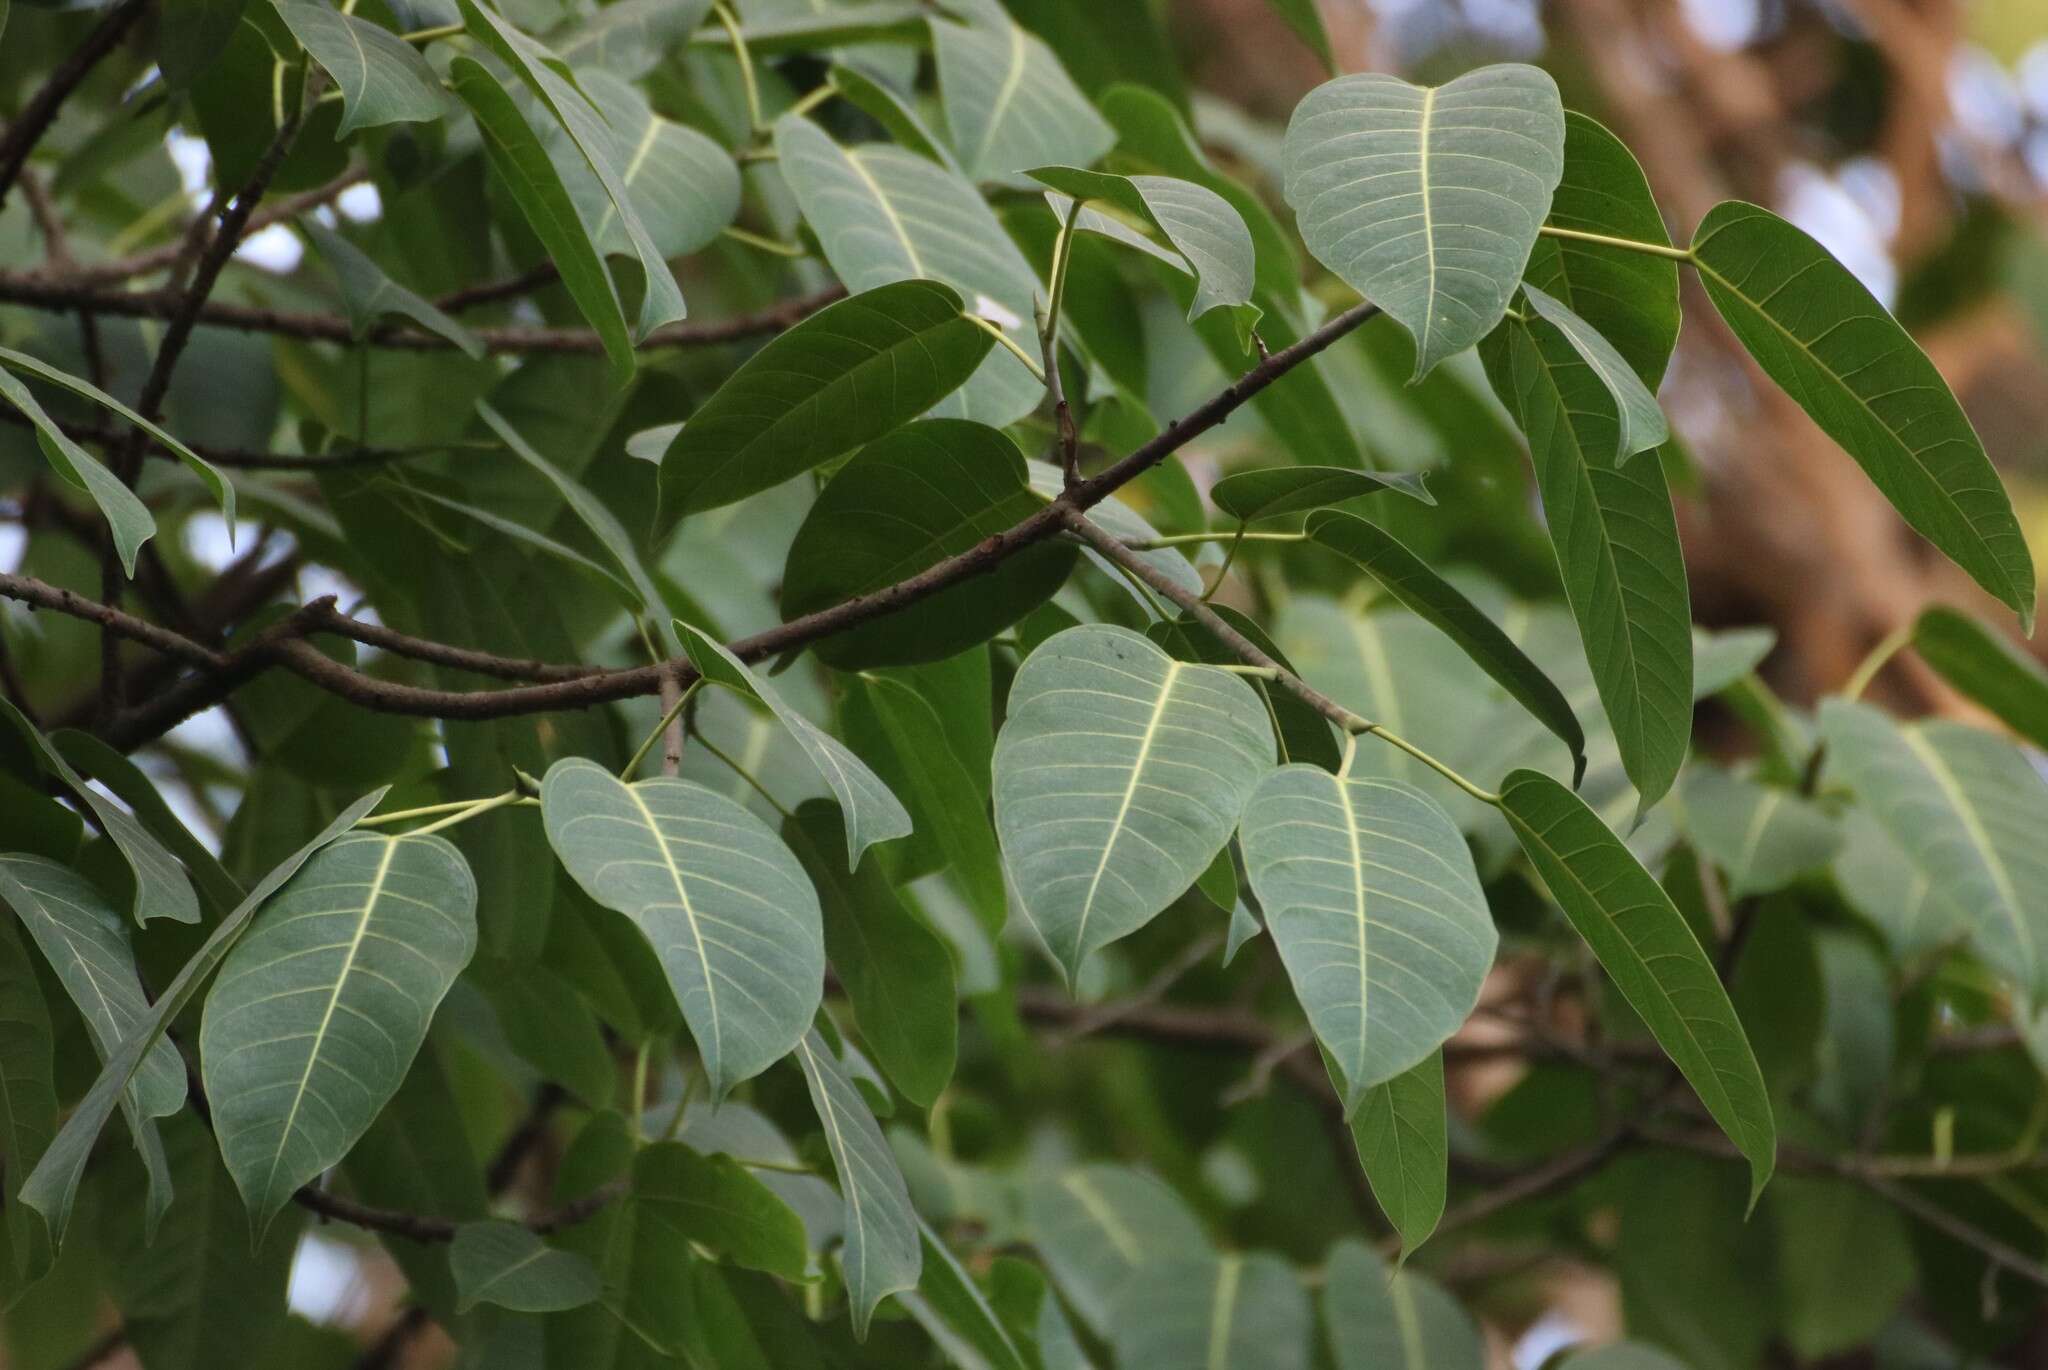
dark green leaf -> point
(715, 1203)
(1987, 668)
(1199, 223)
(1248, 496)
(369, 295)
(506, 1264)
(1399, 1131)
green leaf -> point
(96, 760)
(1307, 23)
(1630, 298)
(806, 27)
(1622, 1355)
(895, 970)
(320, 1009)
(382, 78)
(1987, 669)
(548, 78)
(369, 295)
(724, 904)
(883, 214)
(881, 1255)
(1967, 811)
(1303, 733)
(1639, 423)
(684, 187)
(1119, 520)
(894, 112)
(161, 888)
(1199, 223)
(952, 1309)
(1410, 580)
(1649, 951)
(629, 37)
(1427, 200)
(508, 1265)
(870, 812)
(1720, 659)
(28, 1106)
(1119, 774)
(714, 1202)
(1845, 1263)
(128, 518)
(517, 154)
(1223, 1311)
(1399, 1132)
(912, 498)
(1369, 892)
(1271, 491)
(1008, 101)
(845, 376)
(548, 1024)
(1760, 836)
(1831, 346)
(1379, 1320)
(223, 492)
(52, 1187)
(1097, 1225)
(1617, 546)
(1884, 884)
(621, 589)
(195, 34)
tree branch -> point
(40, 112)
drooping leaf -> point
(1427, 200)
(1097, 1225)
(1617, 546)
(884, 214)
(1402, 1320)
(1399, 1132)
(1828, 343)
(846, 375)
(871, 814)
(1639, 423)
(1119, 774)
(882, 1254)
(911, 498)
(1986, 668)
(716, 1203)
(684, 187)
(895, 112)
(1759, 835)
(1307, 23)
(1369, 892)
(382, 78)
(896, 971)
(521, 161)
(1220, 1310)
(52, 1187)
(1008, 101)
(128, 519)
(320, 1009)
(508, 1265)
(1649, 951)
(724, 904)
(1409, 579)
(1199, 223)
(1967, 812)
(1271, 491)
(370, 295)
(97, 761)
(954, 1311)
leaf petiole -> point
(1676, 254)
(1364, 728)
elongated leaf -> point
(630, 37)
(1427, 200)
(724, 904)
(1649, 951)
(1824, 338)
(1630, 298)
(1967, 812)
(882, 1254)
(98, 761)
(621, 589)
(1119, 774)
(1639, 422)
(912, 498)
(895, 113)
(952, 1309)
(1616, 539)
(684, 187)
(883, 214)
(320, 1009)
(506, 1264)
(1987, 668)
(1379, 1320)
(161, 887)
(1248, 496)
(28, 1106)
(1370, 894)
(1008, 101)
(548, 78)
(128, 518)
(52, 1187)
(1409, 579)
(845, 376)
(1096, 1225)
(776, 27)
(714, 1202)
(521, 161)
(1199, 223)
(1399, 1132)
(1760, 836)
(871, 814)
(382, 78)
(369, 295)
(1221, 1311)
(896, 971)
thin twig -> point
(28, 127)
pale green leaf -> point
(508, 1265)
(1825, 339)
(1883, 883)
(716, 1203)
(1399, 1132)
(1221, 1311)
(1119, 774)
(1009, 102)
(1720, 659)
(1096, 1225)
(721, 900)
(894, 111)
(1760, 836)
(1271, 491)
(1382, 1320)
(382, 78)
(1987, 668)
(629, 37)
(369, 295)
(685, 188)
(1304, 733)
(98, 761)
(1371, 897)
(1199, 223)
(320, 1009)
(1427, 200)
(1639, 423)
(950, 1307)
(128, 518)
